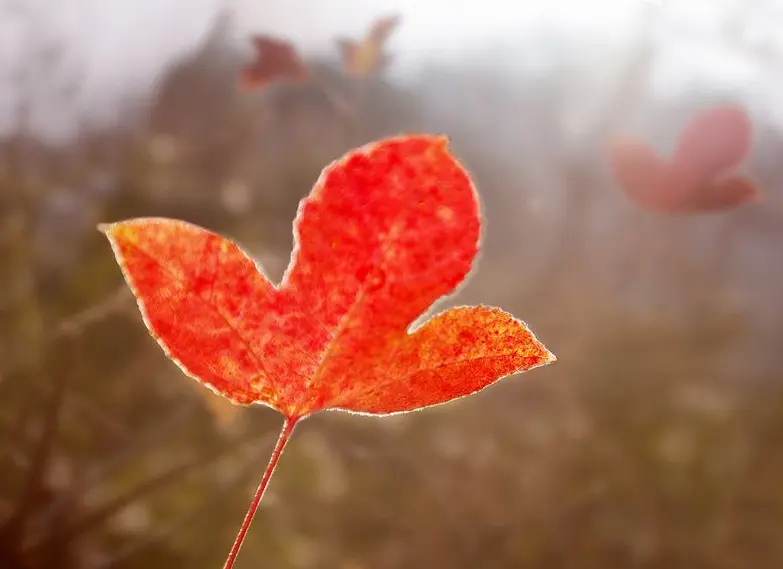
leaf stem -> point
(282, 441)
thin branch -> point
(100, 514)
(181, 522)
(142, 442)
(41, 455)
(76, 323)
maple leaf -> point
(367, 56)
(276, 60)
(701, 176)
(387, 230)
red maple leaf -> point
(387, 230)
(276, 60)
(701, 175)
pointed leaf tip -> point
(442, 140)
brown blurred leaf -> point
(276, 60)
(367, 56)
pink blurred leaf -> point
(713, 142)
(700, 177)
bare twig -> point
(142, 442)
(108, 509)
(14, 526)
(76, 323)
(181, 522)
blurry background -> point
(654, 442)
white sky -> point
(437, 27)
(119, 47)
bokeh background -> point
(654, 442)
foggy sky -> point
(72, 61)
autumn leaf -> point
(640, 171)
(367, 56)
(713, 142)
(276, 60)
(701, 176)
(387, 230)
